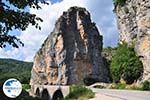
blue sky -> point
(54, 1)
(101, 14)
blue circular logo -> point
(12, 88)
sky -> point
(101, 13)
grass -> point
(145, 86)
(80, 93)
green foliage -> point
(23, 96)
(118, 3)
(125, 64)
(26, 86)
(14, 16)
(77, 92)
(15, 69)
(146, 85)
(119, 86)
(107, 55)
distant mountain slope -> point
(10, 68)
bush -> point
(146, 85)
(125, 64)
(77, 92)
(118, 86)
(26, 86)
(134, 87)
(119, 2)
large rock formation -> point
(71, 52)
(134, 27)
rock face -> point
(134, 27)
(71, 52)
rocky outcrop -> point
(133, 19)
(71, 52)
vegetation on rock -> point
(125, 64)
(118, 3)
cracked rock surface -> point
(71, 52)
(134, 27)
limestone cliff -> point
(133, 17)
(71, 52)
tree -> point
(126, 64)
(14, 16)
(118, 3)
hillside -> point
(10, 68)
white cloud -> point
(101, 13)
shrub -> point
(133, 86)
(125, 64)
(77, 91)
(119, 2)
(119, 86)
(146, 85)
(26, 86)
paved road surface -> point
(123, 94)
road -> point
(122, 94)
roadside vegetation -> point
(26, 86)
(125, 67)
(125, 64)
(78, 92)
(144, 86)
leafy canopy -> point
(125, 64)
(14, 16)
(17, 69)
